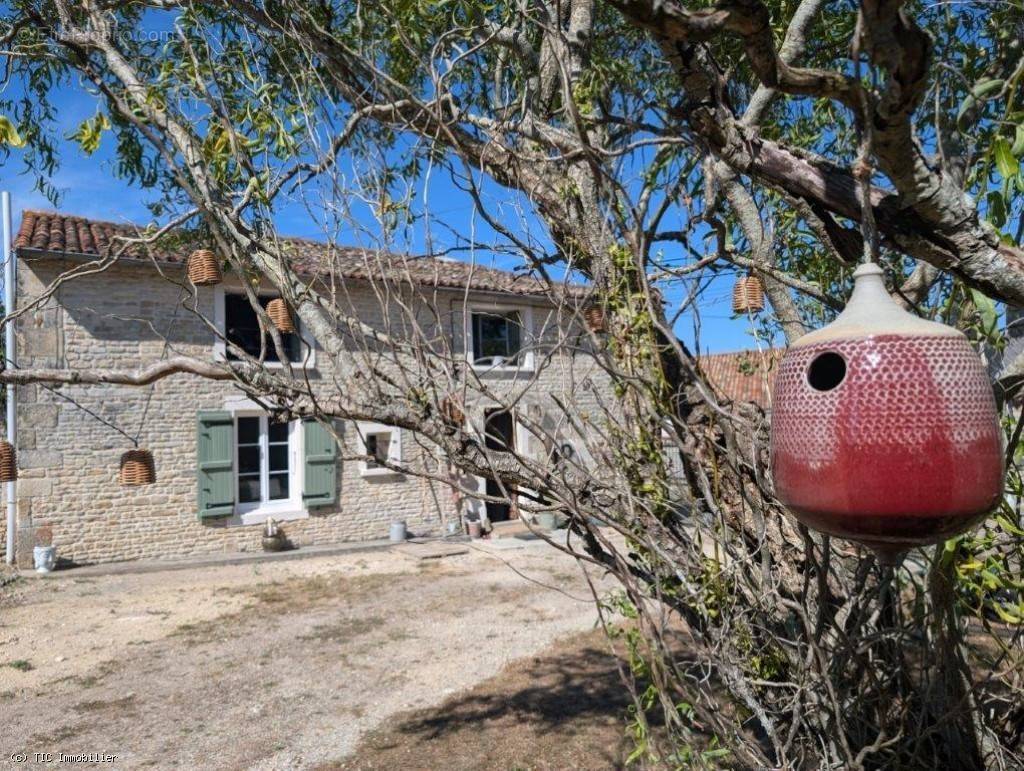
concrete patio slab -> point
(236, 558)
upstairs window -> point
(497, 338)
(242, 327)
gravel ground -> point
(268, 666)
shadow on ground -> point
(563, 710)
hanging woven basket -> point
(204, 268)
(748, 295)
(8, 462)
(280, 315)
(452, 411)
(594, 316)
(137, 468)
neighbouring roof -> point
(743, 376)
(63, 234)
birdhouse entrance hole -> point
(826, 372)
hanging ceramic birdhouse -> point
(884, 427)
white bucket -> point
(45, 558)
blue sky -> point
(90, 188)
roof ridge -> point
(773, 349)
(286, 238)
(57, 233)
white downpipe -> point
(12, 414)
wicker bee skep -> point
(594, 316)
(739, 295)
(204, 268)
(280, 315)
(748, 295)
(451, 411)
(8, 462)
(755, 293)
(137, 468)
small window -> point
(242, 327)
(381, 445)
(264, 462)
(497, 338)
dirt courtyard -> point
(277, 665)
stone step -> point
(509, 529)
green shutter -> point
(215, 448)
(320, 481)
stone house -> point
(222, 467)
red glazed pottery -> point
(884, 427)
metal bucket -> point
(398, 532)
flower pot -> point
(884, 427)
(44, 558)
(276, 542)
(545, 520)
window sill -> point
(261, 515)
(380, 472)
(301, 365)
(501, 368)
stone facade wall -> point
(70, 439)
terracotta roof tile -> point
(65, 234)
(744, 376)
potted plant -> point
(474, 527)
(545, 520)
(44, 554)
(274, 538)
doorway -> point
(500, 434)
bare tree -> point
(633, 133)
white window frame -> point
(292, 507)
(363, 429)
(308, 351)
(526, 359)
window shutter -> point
(215, 448)
(320, 481)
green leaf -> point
(987, 311)
(996, 208)
(90, 132)
(1007, 164)
(9, 134)
(1008, 526)
(978, 93)
(1018, 141)
(983, 88)
(1009, 618)
(966, 106)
